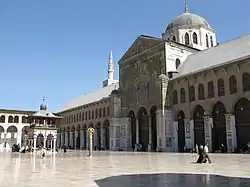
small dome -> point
(188, 19)
(115, 92)
(43, 107)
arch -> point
(242, 122)
(183, 95)
(153, 128)
(181, 131)
(211, 41)
(132, 117)
(26, 133)
(232, 84)
(199, 130)
(10, 119)
(195, 38)
(219, 131)
(85, 134)
(24, 119)
(175, 97)
(78, 136)
(2, 119)
(68, 136)
(91, 125)
(210, 89)
(174, 38)
(207, 43)
(16, 119)
(106, 135)
(143, 120)
(11, 135)
(177, 63)
(40, 140)
(221, 87)
(201, 92)
(98, 133)
(246, 82)
(191, 93)
(1, 130)
(187, 39)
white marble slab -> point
(120, 169)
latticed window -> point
(201, 92)
(232, 85)
(210, 89)
(221, 87)
(183, 95)
(177, 63)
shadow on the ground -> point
(173, 180)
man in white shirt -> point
(205, 149)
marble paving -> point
(121, 169)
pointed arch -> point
(232, 84)
(199, 130)
(187, 42)
(195, 38)
(181, 131)
(132, 117)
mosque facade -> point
(173, 92)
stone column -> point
(231, 132)
(137, 131)
(66, 138)
(76, 136)
(102, 138)
(149, 133)
(175, 137)
(51, 142)
(71, 139)
(44, 141)
(208, 124)
(81, 139)
(54, 148)
(34, 143)
(19, 137)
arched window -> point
(174, 38)
(96, 113)
(183, 95)
(83, 116)
(177, 63)
(211, 41)
(104, 112)
(221, 87)
(175, 97)
(108, 112)
(86, 115)
(187, 39)
(207, 44)
(195, 39)
(93, 114)
(210, 89)
(77, 117)
(246, 82)
(232, 85)
(191, 93)
(16, 119)
(89, 114)
(100, 112)
(201, 92)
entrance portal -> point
(181, 131)
(143, 127)
(199, 131)
(219, 131)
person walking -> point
(206, 150)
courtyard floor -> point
(121, 169)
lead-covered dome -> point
(188, 19)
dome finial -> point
(186, 7)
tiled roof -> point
(222, 54)
(90, 97)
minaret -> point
(186, 7)
(110, 67)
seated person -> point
(201, 158)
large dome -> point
(188, 19)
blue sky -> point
(59, 48)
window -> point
(93, 114)
(221, 87)
(210, 89)
(195, 40)
(147, 91)
(89, 114)
(108, 112)
(201, 92)
(175, 97)
(232, 85)
(100, 112)
(86, 115)
(74, 118)
(104, 112)
(16, 119)
(183, 95)
(177, 63)
(96, 113)
(246, 82)
(82, 116)
(187, 39)
(211, 41)
(207, 44)
(137, 93)
(191, 93)
(10, 119)
(174, 38)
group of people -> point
(203, 154)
